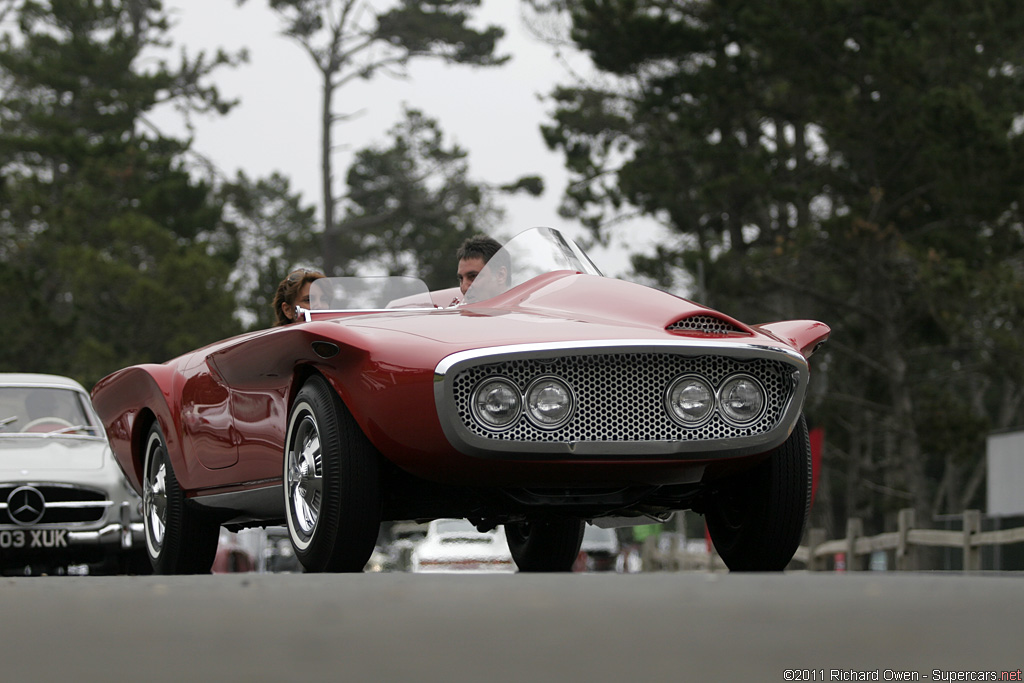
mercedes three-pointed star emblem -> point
(26, 505)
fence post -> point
(674, 562)
(815, 537)
(650, 559)
(905, 556)
(972, 554)
(854, 530)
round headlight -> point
(742, 399)
(549, 402)
(690, 401)
(496, 403)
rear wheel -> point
(545, 546)
(179, 539)
(332, 488)
(756, 519)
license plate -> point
(33, 539)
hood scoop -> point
(707, 325)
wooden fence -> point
(903, 541)
(856, 546)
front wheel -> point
(332, 488)
(179, 539)
(545, 546)
(756, 519)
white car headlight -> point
(549, 402)
(496, 403)
(690, 401)
(742, 399)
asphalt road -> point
(578, 627)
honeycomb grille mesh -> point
(707, 324)
(621, 397)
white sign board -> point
(1005, 453)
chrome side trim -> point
(266, 502)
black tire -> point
(331, 483)
(179, 538)
(135, 562)
(545, 546)
(756, 519)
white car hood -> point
(39, 453)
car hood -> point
(39, 453)
(556, 307)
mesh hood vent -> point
(705, 324)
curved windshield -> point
(368, 293)
(43, 411)
(531, 253)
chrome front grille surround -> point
(63, 504)
(620, 390)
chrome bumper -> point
(112, 534)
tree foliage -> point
(349, 40)
(848, 161)
(410, 205)
(275, 233)
(110, 253)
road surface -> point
(575, 627)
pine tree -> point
(110, 253)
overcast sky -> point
(493, 113)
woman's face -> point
(302, 298)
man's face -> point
(485, 282)
(469, 268)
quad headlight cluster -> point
(691, 400)
(497, 403)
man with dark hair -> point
(473, 255)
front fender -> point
(125, 401)
(804, 336)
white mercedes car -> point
(64, 503)
(455, 545)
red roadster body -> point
(551, 397)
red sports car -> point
(551, 396)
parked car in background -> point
(599, 551)
(551, 396)
(64, 502)
(232, 557)
(404, 538)
(394, 547)
(277, 556)
(455, 545)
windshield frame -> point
(530, 254)
(392, 292)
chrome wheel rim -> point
(154, 495)
(304, 475)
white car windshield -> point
(531, 253)
(46, 411)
